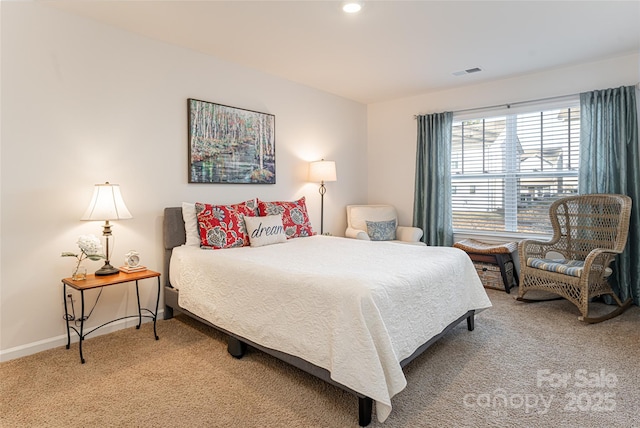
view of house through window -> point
(507, 170)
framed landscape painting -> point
(230, 145)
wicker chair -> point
(588, 232)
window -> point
(508, 169)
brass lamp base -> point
(107, 269)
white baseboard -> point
(54, 342)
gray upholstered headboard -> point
(173, 235)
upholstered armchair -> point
(379, 223)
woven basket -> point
(490, 274)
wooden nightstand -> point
(94, 281)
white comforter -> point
(355, 308)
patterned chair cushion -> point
(566, 267)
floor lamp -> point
(322, 171)
(106, 204)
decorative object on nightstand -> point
(132, 262)
(106, 204)
(90, 248)
(321, 171)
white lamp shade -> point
(106, 204)
(322, 171)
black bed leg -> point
(365, 407)
(235, 347)
(168, 313)
(470, 322)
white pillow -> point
(265, 230)
(190, 224)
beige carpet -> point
(517, 369)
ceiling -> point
(389, 50)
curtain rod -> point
(518, 103)
(509, 105)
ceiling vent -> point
(467, 71)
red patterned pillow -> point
(294, 216)
(222, 226)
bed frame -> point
(174, 236)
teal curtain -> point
(610, 163)
(432, 193)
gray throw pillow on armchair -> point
(381, 230)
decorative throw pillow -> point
(265, 230)
(190, 224)
(222, 226)
(251, 204)
(381, 230)
(294, 216)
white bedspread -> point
(355, 308)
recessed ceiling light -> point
(352, 7)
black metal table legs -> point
(81, 331)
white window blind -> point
(507, 169)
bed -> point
(320, 304)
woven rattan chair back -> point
(585, 222)
(591, 229)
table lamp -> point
(106, 204)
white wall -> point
(392, 127)
(84, 103)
